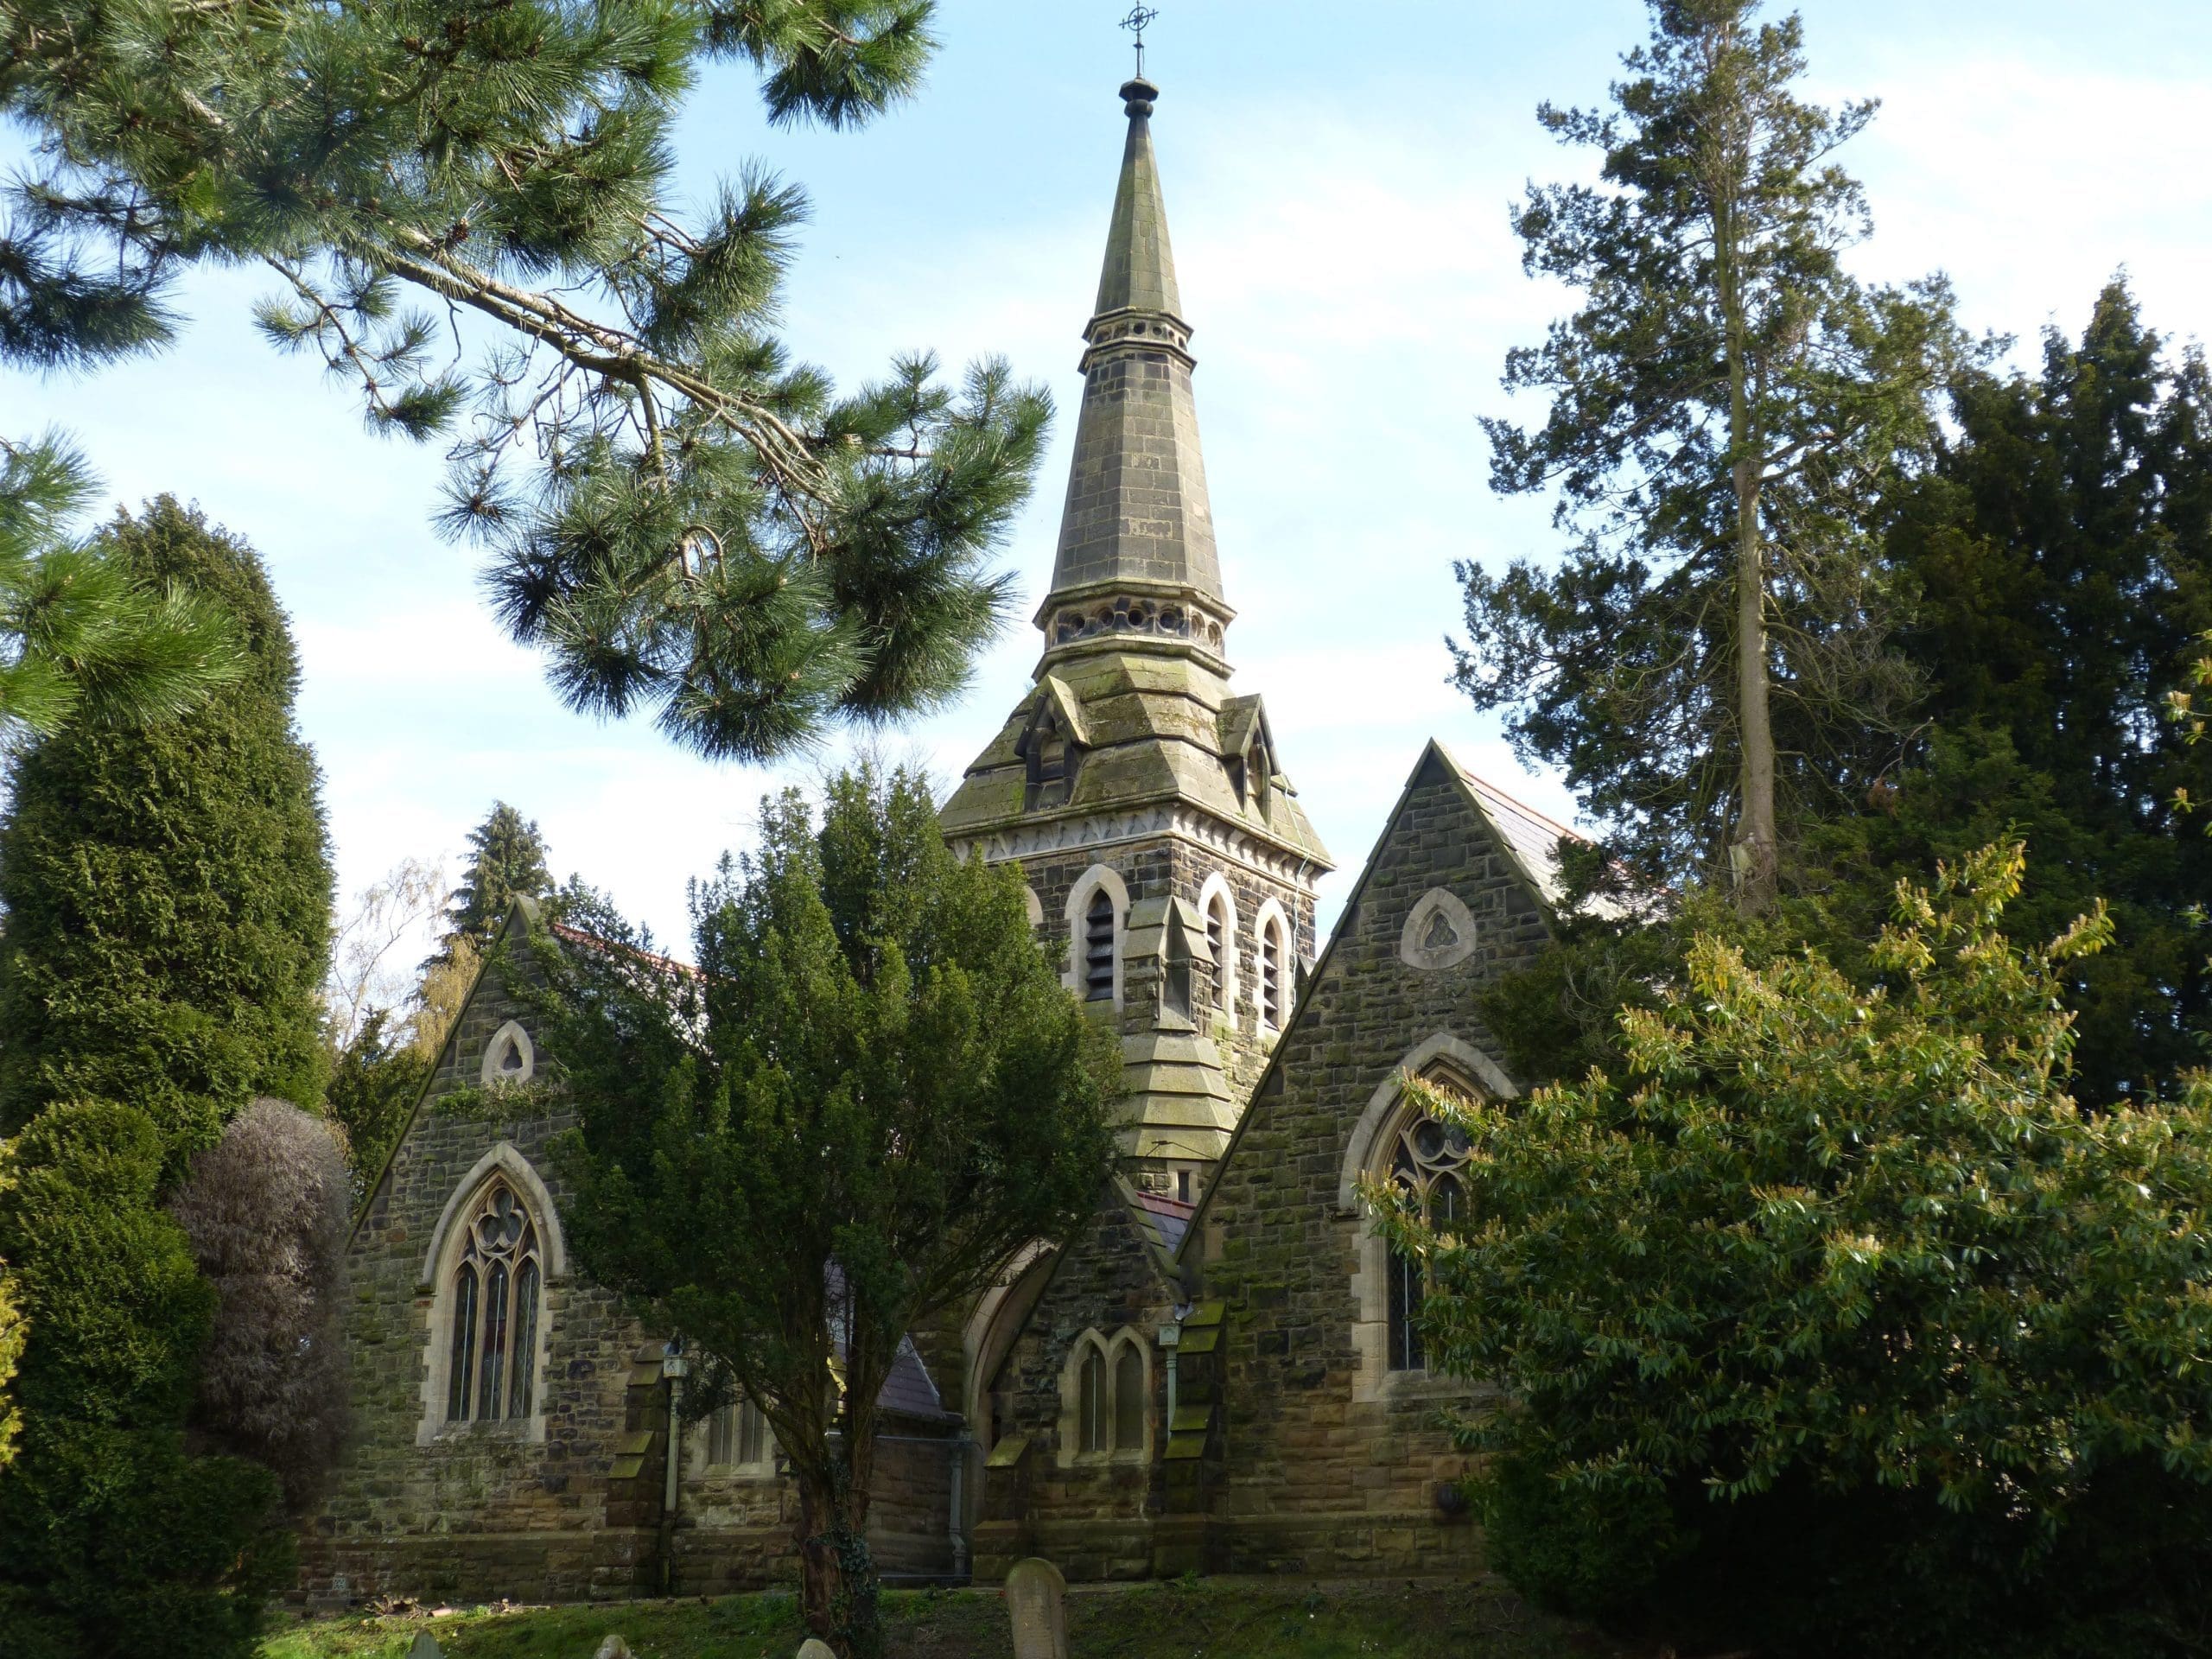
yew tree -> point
(869, 1096)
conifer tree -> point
(687, 521)
(1725, 406)
(2059, 555)
(168, 885)
(507, 861)
(876, 1079)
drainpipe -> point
(672, 1368)
(1171, 1338)
(956, 1516)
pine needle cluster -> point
(464, 207)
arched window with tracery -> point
(1106, 1403)
(1427, 1156)
(497, 1287)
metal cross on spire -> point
(1140, 19)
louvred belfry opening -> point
(1098, 948)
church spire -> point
(1136, 564)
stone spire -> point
(1169, 863)
(1136, 558)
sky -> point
(1338, 181)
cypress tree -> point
(168, 885)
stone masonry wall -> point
(1173, 867)
(475, 1512)
(1091, 1517)
(479, 1511)
(1331, 1466)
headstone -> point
(425, 1646)
(1036, 1598)
(613, 1648)
(815, 1647)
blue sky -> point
(1337, 179)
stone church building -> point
(1223, 1374)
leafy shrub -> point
(115, 1538)
(265, 1211)
(1879, 1342)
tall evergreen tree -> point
(507, 861)
(168, 885)
(689, 522)
(2060, 559)
(1724, 405)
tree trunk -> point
(837, 1582)
(1756, 856)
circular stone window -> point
(1439, 933)
(509, 1058)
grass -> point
(1206, 1620)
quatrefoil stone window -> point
(1440, 932)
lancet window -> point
(737, 1434)
(1108, 1401)
(1274, 965)
(497, 1285)
(1218, 941)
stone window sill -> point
(517, 1431)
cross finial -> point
(1139, 20)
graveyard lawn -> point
(1207, 1619)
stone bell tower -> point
(1171, 864)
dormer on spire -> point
(1136, 565)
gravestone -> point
(613, 1648)
(425, 1646)
(1036, 1599)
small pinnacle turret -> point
(1137, 557)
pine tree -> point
(1725, 407)
(689, 522)
(77, 632)
(168, 885)
(507, 861)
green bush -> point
(1832, 1323)
(115, 1538)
